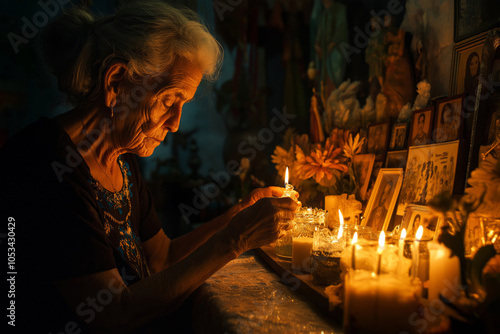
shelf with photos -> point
(394, 177)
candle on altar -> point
(380, 250)
(289, 192)
(444, 272)
(379, 303)
(401, 246)
(353, 256)
(301, 253)
(416, 250)
(341, 227)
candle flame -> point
(341, 218)
(341, 230)
(286, 176)
(403, 234)
(420, 232)
(381, 242)
(355, 238)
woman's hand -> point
(259, 224)
(259, 193)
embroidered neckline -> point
(116, 199)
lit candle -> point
(402, 238)
(353, 256)
(416, 249)
(341, 228)
(444, 273)
(380, 249)
(289, 192)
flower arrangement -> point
(318, 169)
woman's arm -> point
(106, 303)
(162, 252)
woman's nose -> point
(173, 121)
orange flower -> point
(321, 164)
(283, 158)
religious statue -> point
(375, 55)
(398, 81)
(332, 30)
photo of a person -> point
(449, 121)
(383, 198)
(471, 73)
(398, 137)
(377, 138)
(378, 215)
(422, 216)
(420, 137)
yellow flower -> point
(352, 147)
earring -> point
(112, 111)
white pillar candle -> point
(301, 253)
(444, 272)
(379, 303)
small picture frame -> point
(396, 159)
(448, 121)
(378, 138)
(363, 166)
(466, 63)
(416, 215)
(421, 126)
(430, 170)
(383, 199)
(398, 136)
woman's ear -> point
(115, 77)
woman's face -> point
(447, 115)
(146, 126)
(474, 64)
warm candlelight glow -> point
(286, 176)
(401, 246)
(381, 242)
(420, 232)
(341, 218)
(380, 249)
(341, 230)
(353, 254)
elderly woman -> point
(91, 253)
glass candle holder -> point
(311, 217)
(379, 303)
(327, 248)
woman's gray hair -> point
(148, 37)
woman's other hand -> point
(259, 224)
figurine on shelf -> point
(316, 129)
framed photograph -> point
(449, 120)
(383, 199)
(398, 136)
(466, 62)
(378, 138)
(416, 215)
(430, 170)
(396, 159)
(421, 126)
(363, 166)
(473, 17)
